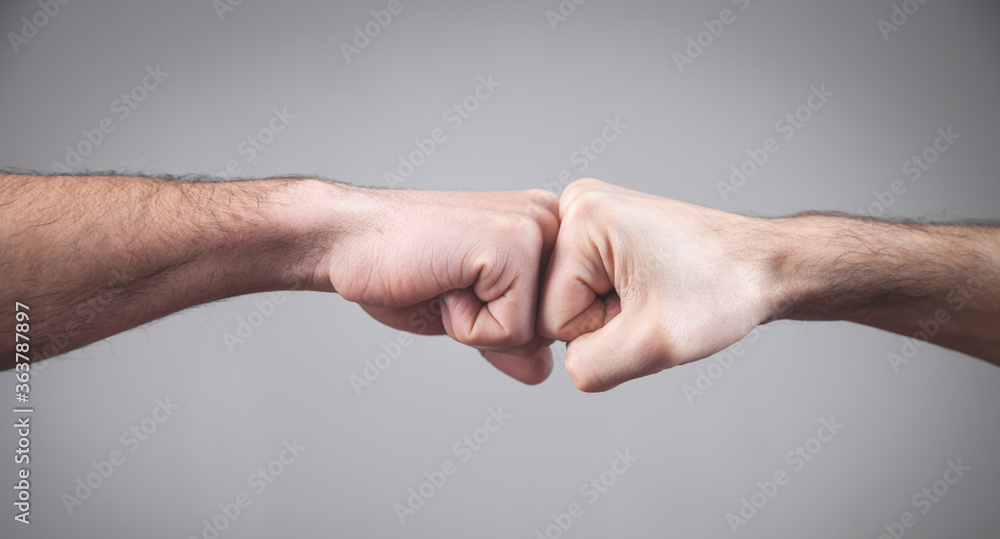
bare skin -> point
(639, 283)
(93, 256)
(635, 283)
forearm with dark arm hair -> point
(92, 256)
(938, 283)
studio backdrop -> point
(293, 414)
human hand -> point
(638, 283)
(400, 253)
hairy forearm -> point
(932, 282)
(92, 256)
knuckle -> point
(591, 182)
(549, 328)
(520, 335)
(586, 204)
(509, 339)
(525, 231)
(557, 323)
(583, 184)
(545, 199)
(547, 218)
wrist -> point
(767, 246)
(781, 250)
(300, 225)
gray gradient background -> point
(290, 380)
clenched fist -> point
(639, 283)
(401, 253)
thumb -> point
(625, 348)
